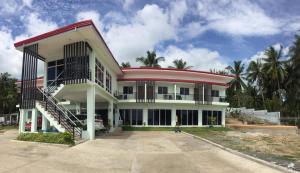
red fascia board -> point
(65, 29)
(174, 69)
(171, 80)
(54, 32)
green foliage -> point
(57, 138)
(151, 60)
(8, 94)
(180, 64)
(125, 64)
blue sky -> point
(207, 34)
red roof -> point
(174, 69)
(62, 30)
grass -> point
(56, 138)
(8, 127)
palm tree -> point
(180, 64)
(273, 66)
(151, 60)
(125, 65)
(256, 74)
(237, 83)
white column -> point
(22, 120)
(173, 117)
(223, 117)
(175, 90)
(45, 74)
(199, 117)
(145, 92)
(111, 114)
(145, 116)
(44, 123)
(92, 64)
(34, 120)
(90, 107)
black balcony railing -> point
(169, 96)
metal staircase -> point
(62, 118)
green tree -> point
(8, 93)
(237, 83)
(180, 64)
(125, 65)
(150, 60)
(255, 74)
(274, 67)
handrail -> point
(60, 108)
(54, 80)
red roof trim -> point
(54, 32)
(65, 29)
(171, 80)
(173, 69)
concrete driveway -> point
(135, 152)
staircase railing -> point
(53, 86)
(61, 113)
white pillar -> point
(199, 117)
(145, 92)
(22, 120)
(173, 117)
(92, 64)
(34, 120)
(111, 114)
(145, 116)
(45, 74)
(44, 123)
(90, 108)
(223, 117)
(175, 91)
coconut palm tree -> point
(180, 64)
(151, 60)
(237, 83)
(255, 74)
(125, 65)
(273, 65)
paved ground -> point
(135, 152)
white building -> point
(83, 79)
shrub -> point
(57, 138)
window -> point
(132, 116)
(215, 93)
(55, 74)
(108, 82)
(159, 117)
(99, 73)
(162, 90)
(187, 117)
(184, 91)
(127, 90)
(211, 117)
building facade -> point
(83, 81)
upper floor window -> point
(55, 74)
(127, 90)
(162, 90)
(99, 75)
(215, 93)
(184, 91)
(108, 82)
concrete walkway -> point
(135, 152)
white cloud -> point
(27, 3)
(178, 9)
(8, 7)
(199, 58)
(87, 15)
(146, 29)
(238, 17)
(127, 4)
(10, 58)
(35, 25)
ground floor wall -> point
(168, 115)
